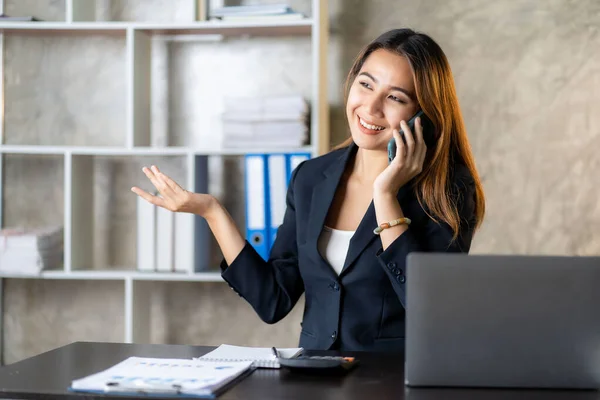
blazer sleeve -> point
(271, 287)
(435, 237)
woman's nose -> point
(373, 105)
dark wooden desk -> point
(379, 377)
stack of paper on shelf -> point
(29, 251)
(265, 122)
(256, 13)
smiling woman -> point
(393, 77)
(352, 217)
(382, 95)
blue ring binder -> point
(266, 191)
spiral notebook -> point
(261, 357)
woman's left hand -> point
(408, 162)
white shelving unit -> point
(77, 159)
(135, 151)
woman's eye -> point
(365, 84)
(397, 99)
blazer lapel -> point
(364, 235)
(322, 197)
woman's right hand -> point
(173, 197)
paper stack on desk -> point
(163, 376)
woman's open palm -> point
(172, 196)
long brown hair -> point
(437, 98)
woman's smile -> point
(368, 128)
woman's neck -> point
(368, 164)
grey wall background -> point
(528, 79)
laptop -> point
(502, 321)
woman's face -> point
(382, 95)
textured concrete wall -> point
(528, 78)
(65, 90)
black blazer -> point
(363, 307)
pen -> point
(275, 353)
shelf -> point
(84, 102)
(91, 150)
(11, 149)
(63, 27)
(275, 28)
(138, 151)
(122, 275)
(165, 276)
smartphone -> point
(428, 133)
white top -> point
(333, 245)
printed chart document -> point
(172, 377)
(261, 357)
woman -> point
(354, 278)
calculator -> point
(324, 364)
